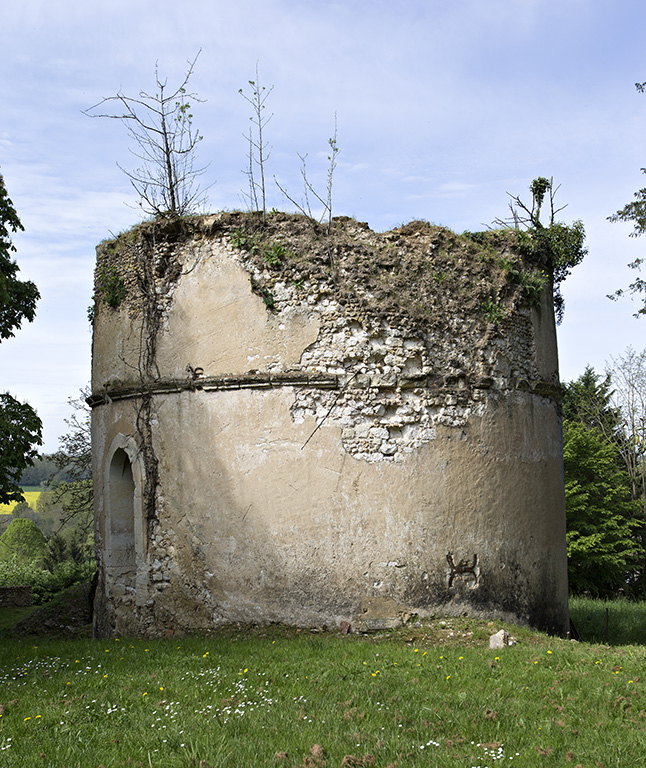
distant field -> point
(31, 497)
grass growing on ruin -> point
(429, 695)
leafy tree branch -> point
(557, 245)
(20, 427)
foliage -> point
(430, 694)
(45, 584)
(17, 297)
(602, 551)
(56, 551)
(588, 400)
(22, 539)
(111, 285)
(41, 470)
(635, 213)
(20, 432)
(628, 374)
(492, 311)
(275, 255)
(75, 497)
(161, 127)
(20, 427)
(556, 245)
(38, 510)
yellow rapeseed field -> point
(31, 497)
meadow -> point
(429, 694)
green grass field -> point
(433, 694)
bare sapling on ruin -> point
(161, 126)
(304, 206)
(259, 151)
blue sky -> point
(442, 109)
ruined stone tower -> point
(311, 427)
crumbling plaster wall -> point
(319, 468)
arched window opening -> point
(121, 495)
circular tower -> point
(312, 426)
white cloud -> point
(442, 109)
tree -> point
(602, 550)
(634, 212)
(74, 461)
(628, 373)
(557, 245)
(17, 297)
(588, 400)
(22, 539)
(20, 427)
(304, 207)
(258, 148)
(20, 432)
(614, 409)
(161, 126)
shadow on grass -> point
(11, 616)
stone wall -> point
(324, 428)
(15, 597)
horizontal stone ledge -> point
(437, 386)
(211, 383)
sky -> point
(442, 109)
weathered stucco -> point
(317, 463)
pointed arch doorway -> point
(124, 542)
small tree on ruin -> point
(161, 126)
